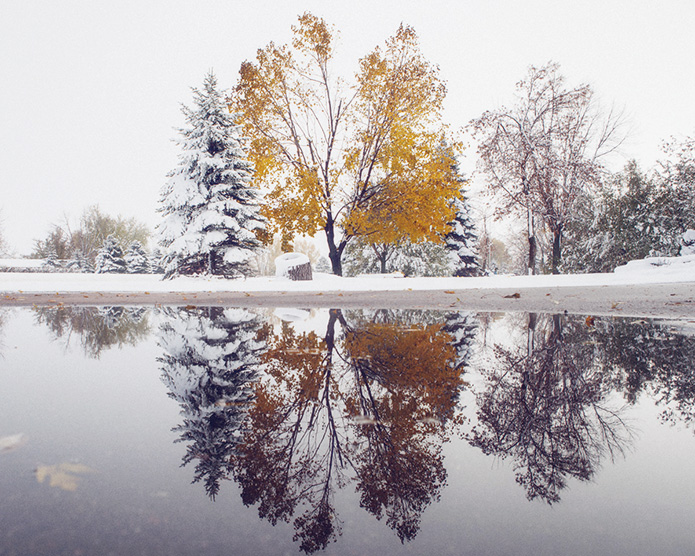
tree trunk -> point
(557, 246)
(531, 245)
(382, 256)
(531, 254)
(335, 252)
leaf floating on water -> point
(63, 476)
(11, 442)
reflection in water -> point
(368, 401)
(372, 399)
(3, 318)
(99, 328)
(365, 400)
(656, 359)
(546, 405)
(209, 366)
(406, 385)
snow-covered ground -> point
(648, 271)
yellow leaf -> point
(63, 475)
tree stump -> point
(295, 266)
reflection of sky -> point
(114, 416)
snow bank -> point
(678, 267)
(647, 271)
(21, 263)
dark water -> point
(228, 431)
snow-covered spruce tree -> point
(110, 258)
(210, 207)
(155, 261)
(136, 260)
(462, 240)
(209, 365)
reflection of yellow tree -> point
(545, 406)
(375, 400)
(407, 387)
(294, 446)
(99, 327)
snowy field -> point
(647, 271)
(650, 287)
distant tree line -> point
(100, 243)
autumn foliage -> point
(369, 159)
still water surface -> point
(230, 431)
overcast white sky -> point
(90, 90)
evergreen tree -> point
(110, 258)
(80, 263)
(210, 207)
(677, 179)
(633, 216)
(156, 261)
(136, 259)
(462, 239)
(323, 265)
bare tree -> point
(542, 155)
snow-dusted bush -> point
(136, 260)
(110, 258)
(688, 243)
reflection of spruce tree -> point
(462, 327)
(655, 358)
(99, 327)
(545, 406)
(209, 365)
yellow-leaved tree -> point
(369, 159)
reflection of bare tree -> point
(99, 328)
(655, 358)
(545, 406)
(209, 365)
(373, 400)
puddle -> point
(213, 430)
